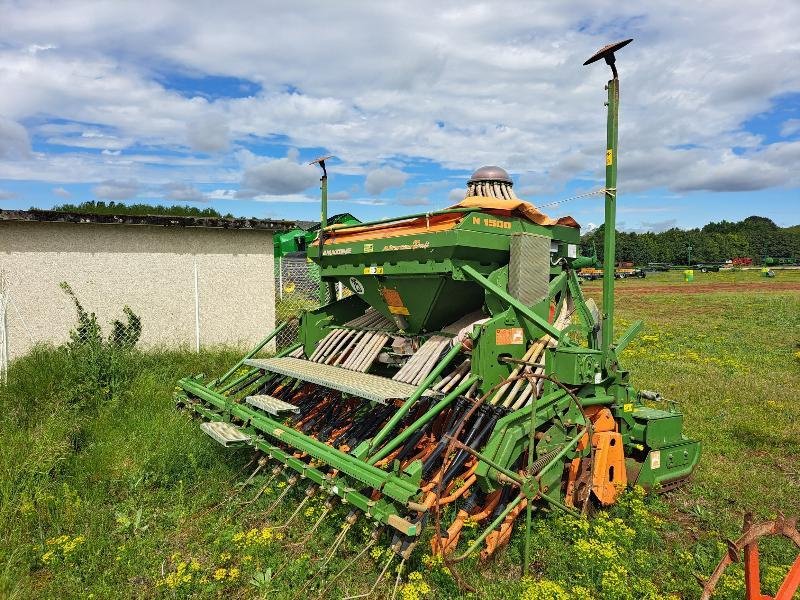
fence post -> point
(280, 277)
(3, 330)
(196, 309)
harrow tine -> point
(262, 462)
(375, 537)
(310, 493)
(289, 485)
(328, 509)
(397, 579)
(275, 472)
(377, 581)
(349, 522)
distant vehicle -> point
(590, 274)
(708, 267)
(658, 266)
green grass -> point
(107, 492)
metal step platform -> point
(226, 434)
(271, 405)
(363, 385)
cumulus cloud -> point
(62, 192)
(208, 134)
(790, 127)
(384, 178)
(116, 190)
(659, 226)
(406, 92)
(456, 194)
(14, 141)
(278, 177)
(92, 139)
(183, 192)
(413, 201)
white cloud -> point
(790, 127)
(62, 192)
(116, 190)
(384, 178)
(92, 139)
(659, 226)
(286, 198)
(208, 134)
(14, 141)
(278, 177)
(456, 194)
(183, 192)
(7, 195)
(411, 90)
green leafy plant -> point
(101, 363)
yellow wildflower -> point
(220, 574)
(233, 573)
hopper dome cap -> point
(491, 173)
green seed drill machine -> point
(465, 378)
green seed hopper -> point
(464, 378)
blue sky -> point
(223, 106)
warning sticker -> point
(510, 336)
(609, 157)
(394, 301)
(655, 459)
(373, 270)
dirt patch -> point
(708, 288)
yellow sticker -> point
(509, 336)
(394, 301)
(367, 247)
(627, 407)
(609, 157)
(373, 270)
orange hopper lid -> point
(442, 222)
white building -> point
(192, 281)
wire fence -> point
(66, 318)
(297, 288)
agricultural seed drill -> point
(465, 378)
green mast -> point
(609, 231)
(326, 293)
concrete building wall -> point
(149, 268)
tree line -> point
(754, 237)
(98, 207)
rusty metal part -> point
(748, 543)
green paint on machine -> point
(507, 393)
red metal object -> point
(748, 542)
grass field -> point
(108, 492)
